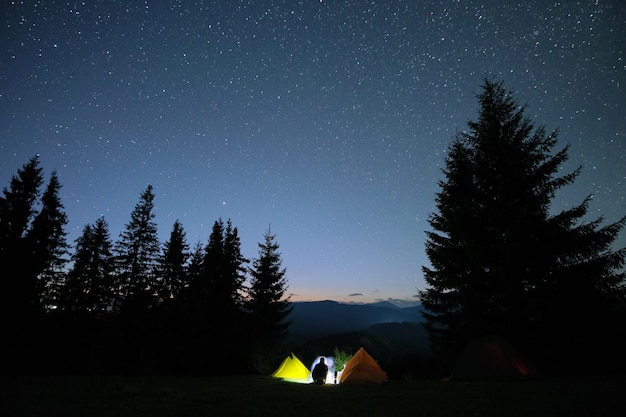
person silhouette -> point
(319, 372)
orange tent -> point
(362, 369)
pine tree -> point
(211, 304)
(224, 269)
(500, 262)
(18, 211)
(136, 252)
(193, 297)
(235, 273)
(19, 203)
(213, 269)
(89, 284)
(267, 303)
(173, 264)
(47, 243)
(32, 245)
(195, 271)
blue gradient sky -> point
(328, 120)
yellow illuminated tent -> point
(293, 370)
(362, 369)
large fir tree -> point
(267, 302)
(500, 261)
(136, 252)
(268, 306)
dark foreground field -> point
(263, 396)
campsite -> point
(266, 396)
(487, 381)
(491, 378)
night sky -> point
(328, 120)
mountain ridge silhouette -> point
(312, 320)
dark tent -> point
(492, 358)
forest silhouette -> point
(500, 264)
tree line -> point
(501, 262)
(134, 305)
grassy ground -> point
(263, 396)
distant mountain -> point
(317, 319)
(411, 335)
(387, 304)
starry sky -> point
(328, 120)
